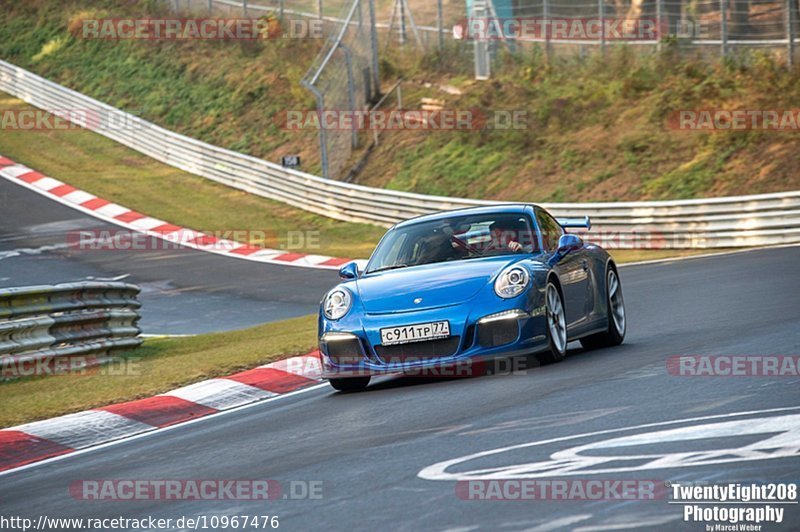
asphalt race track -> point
(378, 454)
(184, 291)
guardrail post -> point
(210, 6)
(244, 8)
(319, 9)
(790, 33)
(723, 26)
(280, 10)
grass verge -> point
(160, 365)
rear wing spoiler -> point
(582, 223)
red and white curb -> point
(40, 440)
(135, 221)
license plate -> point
(415, 333)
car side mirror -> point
(349, 271)
(568, 243)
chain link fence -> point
(718, 26)
(726, 24)
(345, 78)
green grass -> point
(158, 366)
(597, 129)
(179, 84)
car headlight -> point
(337, 303)
(511, 282)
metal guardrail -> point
(764, 219)
(89, 320)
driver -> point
(504, 236)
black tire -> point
(555, 316)
(615, 308)
(353, 384)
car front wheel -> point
(556, 327)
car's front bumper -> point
(352, 347)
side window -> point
(551, 231)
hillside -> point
(596, 128)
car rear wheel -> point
(615, 333)
(556, 327)
(355, 384)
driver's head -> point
(506, 229)
(503, 232)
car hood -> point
(437, 285)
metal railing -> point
(87, 322)
(701, 223)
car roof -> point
(510, 208)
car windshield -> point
(452, 239)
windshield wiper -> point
(387, 268)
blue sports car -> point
(469, 284)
